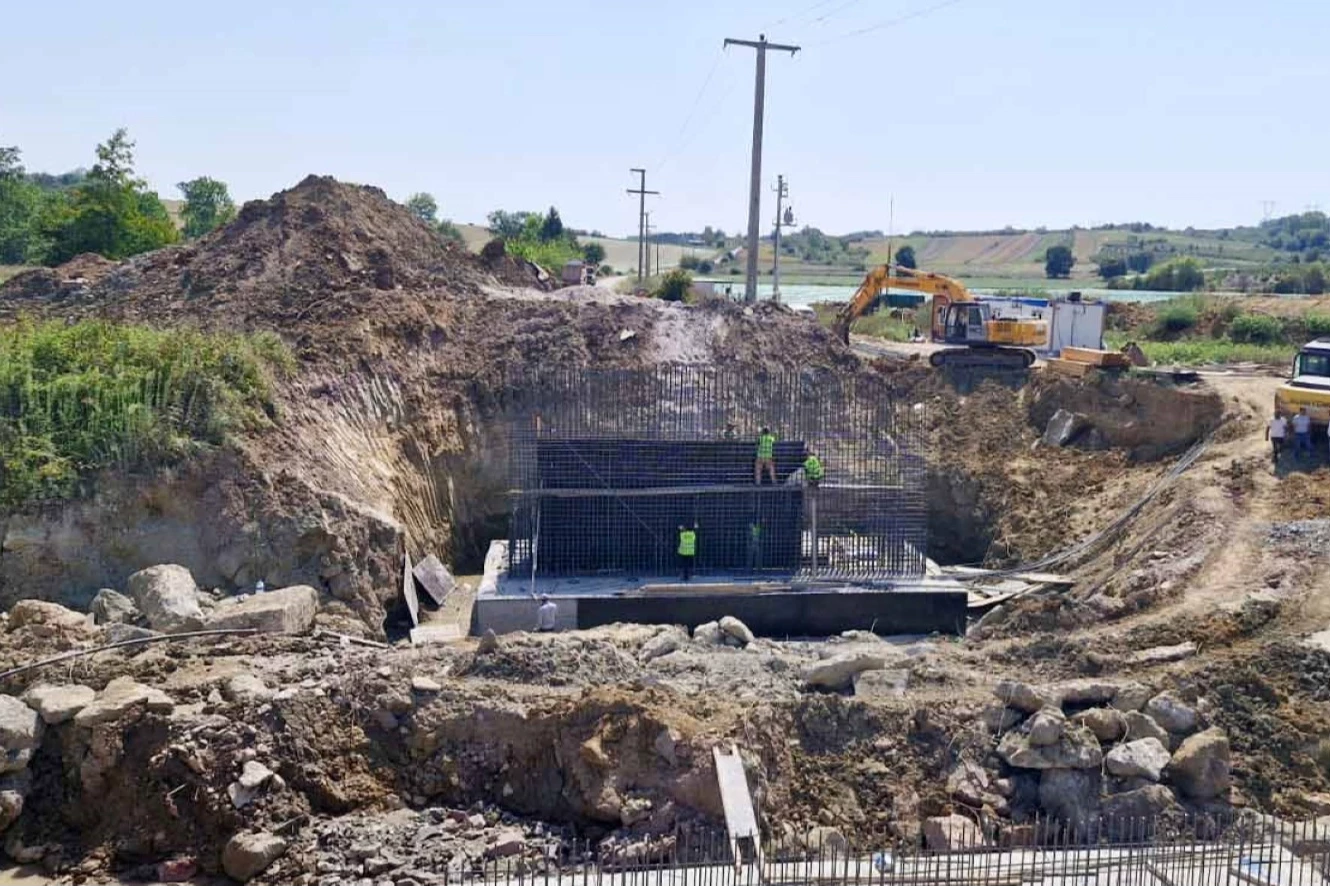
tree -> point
(1140, 262)
(507, 225)
(423, 207)
(111, 213)
(1058, 261)
(208, 205)
(905, 257)
(1110, 268)
(448, 231)
(674, 286)
(552, 227)
(20, 201)
(594, 253)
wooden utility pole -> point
(646, 249)
(641, 192)
(755, 180)
(782, 190)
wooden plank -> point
(1036, 578)
(740, 820)
(1096, 357)
(1069, 367)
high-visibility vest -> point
(766, 446)
(813, 468)
(687, 543)
(755, 532)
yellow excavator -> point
(958, 319)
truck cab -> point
(1308, 385)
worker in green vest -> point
(755, 545)
(687, 549)
(812, 470)
(766, 456)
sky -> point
(962, 114)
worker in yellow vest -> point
(766, 456)
(812, 470)
(687, 549)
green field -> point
(621, 255)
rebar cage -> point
(608, 466)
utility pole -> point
(755, 180)
(641, 193)
(646, 247)
(782, 190)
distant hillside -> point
(619, 254)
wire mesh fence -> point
(1181, 849)
(608, 467)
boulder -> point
(1131, 696)
(1000, 718)
(168, 597)
(249, 853)
(1085, 691)
(508, 842)
(953, 832)
(1132, 811)
(488, 643)
(1019, 696)
(1076, 749)
(1200, 766)
(736, 629)
(1046, 726)
(1172, 713)
(1140, 757)
(837, 672)
(111, 606)
(58, 703)
(47, 619)
(1142, 726)
(425, 684)
(14, 789)
(708, 633)
(245, 688)
(1070, 795)
(1064, 428)
(123, 696)
(671, 638)
(20, 733)
(823, 839)
(968, 783)
(119, 632)
(288, 610)
(1107, 724)
(1159, 655)
(434, 577)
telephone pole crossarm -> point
(641, 192)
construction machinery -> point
(1308, 385)
(958, 318)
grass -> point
(1203, 352)
(75, 399)
(881, 324)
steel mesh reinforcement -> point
(608, 465)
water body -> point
(807, 294)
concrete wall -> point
(509, 614)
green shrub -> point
(674, 286)
(1176, 318)
(1316, 324)
(75, 399)
(1256, 329)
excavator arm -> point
(944, 289)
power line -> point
(801, 13)
(688, 118)
(889, 23)
(826, 15)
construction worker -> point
(1302, 433)
(812, 470)
(547, 614)
(766, 456)
(1276, 431)
(755, 545)
(687, 550)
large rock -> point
(1135, 810)
(1046, 726)
(14, 789)
(671, 638)
(20, 733)
(247, 688)
(1142, 726)
(1021, 697)
(123, 696)
(968, 783)
(1064, 428)
(1107, 724)
(1159, 655)
(286, 611)
(1140, 757)
(1000, 718)
(1085, 691)
(1070, 795)
(1172, 713)
(953, 832)
(110, 606)
(58, 703)
(47, 619)
(1200, 766)
(249, 853)
(708, 633)
(1077, 749)
(1131, 696)
(168, 597)
(837, 672)
(732, 627)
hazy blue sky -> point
(981, 113)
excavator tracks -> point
(983, 358)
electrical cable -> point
(697, 100)
(889, 23)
